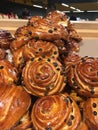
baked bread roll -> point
(83, 77)
(8, 73)
(43, 76)
(91, 113)
(5, 39)
(15, 102)
(56, 112)
(36, 48)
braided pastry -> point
(56, 112)
(8, 73)
(83, 77)
(91, 113)
(14, 103)
(43, 76)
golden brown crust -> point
(43, 76)
(83, 77)
(5, 39)
(18, 59)
(57, 112)
(91, 113)
(2, 54)
(15, 102)
(8, 73)
(24, 123)
(71, 59)
(44, 31)
(73, 34)
(17, 43)
(39, 48)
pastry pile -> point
(45, 84)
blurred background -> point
(86, 10)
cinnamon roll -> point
(38, 48)
(14, 103)
(91, 113)
(57, 112)
(8, 73)
(43, 76)
(5, 39)
(83, 77)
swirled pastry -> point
(38, 48)
(43, 76)
(83, 77)
(91, 113)
(71, 59)
(14, 103)
(5, 39)
(8, 73)
(56, 112)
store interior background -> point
(86, 10)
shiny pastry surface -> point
(14, 103)
(91, 113)
(36, 48)
(43, 76)
(8, 73)
(56, 112)
(83, 77)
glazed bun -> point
(15, 102)
(83, 77)
(91, 113)
(8, 73)
(57, 112)
(36, 48)
(43, 76)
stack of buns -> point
(45, 84)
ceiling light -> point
(78, 11)
(92, 11)
(65, 5)
(38, 6)
(72, 7)
(66, 11)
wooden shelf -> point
(84, 28)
